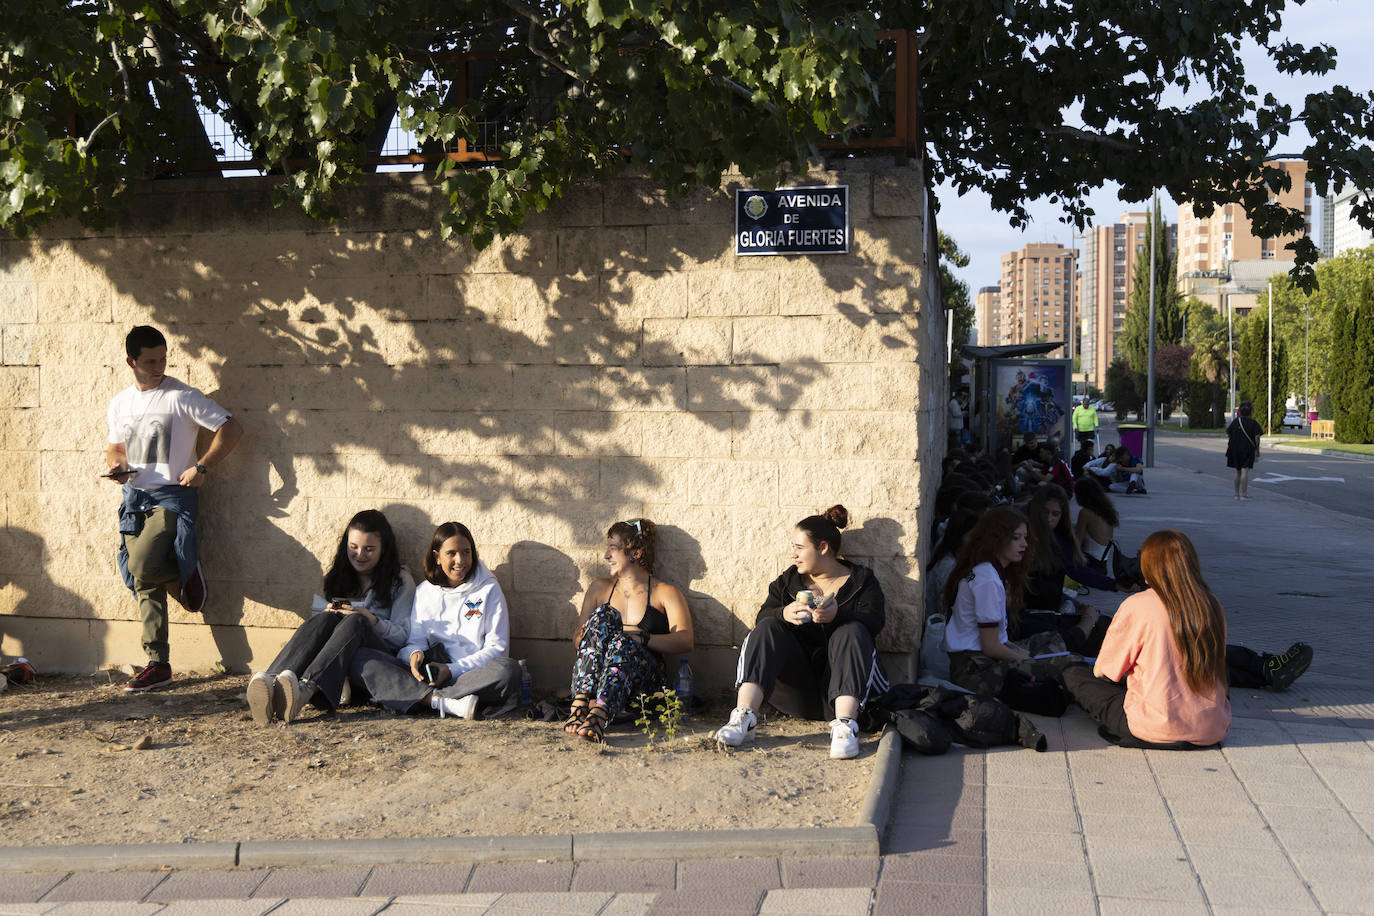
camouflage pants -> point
(984, 675)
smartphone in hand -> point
(431, 673)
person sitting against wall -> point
(629, 622)
(456, 656)
(985, 594)
(366, 603)
(942, 558)
(812, 651)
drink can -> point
(805, 597)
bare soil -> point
(77, 771)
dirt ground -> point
(75, 772)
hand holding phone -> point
(118, 474)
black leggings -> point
(803, 680)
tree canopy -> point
(1025, 100)
(1169, 310)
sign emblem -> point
(755, 206)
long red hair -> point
(1170, 566)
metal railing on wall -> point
(894, 127)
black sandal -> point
(577, 716)
(594, 728)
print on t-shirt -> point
(148, 440)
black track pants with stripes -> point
(802, 680)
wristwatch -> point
(201, 469)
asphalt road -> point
(1338, 484)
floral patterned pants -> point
(612, 668)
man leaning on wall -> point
(152, 452)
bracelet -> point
(201, 469)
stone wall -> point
(614, 359)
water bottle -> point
(525, 686)
(684, 689)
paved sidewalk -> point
(1278, 820)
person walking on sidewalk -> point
(152, 453)
(811, 652)
(1242, 448)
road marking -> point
(1165, 518)
(1275, 477)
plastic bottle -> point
(684, 689)
(526, 693)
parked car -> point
(1294, 419)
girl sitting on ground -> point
(455, 658)
(1056, 554)
(811, 652)
(1096, 533)
(629, 622)
(1161, 675)
(366, 604)
(985, 594)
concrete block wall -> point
(615, 359)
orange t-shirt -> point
(1160, 706)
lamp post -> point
(1306, 364)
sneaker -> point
(739, 729)
(288, 698)
(460, 708)
(1140, 488)
(260, 698)
(194, 592)
(1131, 487)
(844, 739)
(1282, 670)
(154, 676)
(346, 693)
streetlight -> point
(1306, 362)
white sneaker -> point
(739, 729)
(346, 694)
(288, 698)
(844, 739)
(461, 708)
(260, 698)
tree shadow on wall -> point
(23, 568)
(421, 369)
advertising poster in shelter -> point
(1030, 396)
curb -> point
(863, 839)
(1318, 450)
(882, 788)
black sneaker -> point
(154, 676)
(1140, 488)
(1282, 670)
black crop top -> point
(654, 621)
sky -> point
(986, 234)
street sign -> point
(810, 220)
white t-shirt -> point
(158, 429)
(982, 599)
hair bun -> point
(837, 515)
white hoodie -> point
(469, 621)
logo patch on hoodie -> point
(474, 608)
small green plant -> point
(662, 710)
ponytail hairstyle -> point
(341, 580)
(1046, 558)
(637, 534)
(825, 528)
(983, 545)
(1170, 566)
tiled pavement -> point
(1280, 819)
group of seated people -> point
(443, 646)
(1155, 674)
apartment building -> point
(1036, 295)
(1206, 245)
(987, 311)
(1340, 232)
(1108, 265)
